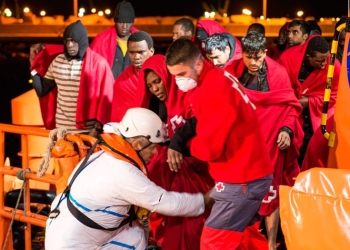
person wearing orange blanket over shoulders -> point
(157, 91)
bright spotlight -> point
(246, 12)
(8, 12)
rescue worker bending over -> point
(112, 180)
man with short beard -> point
(225, 125)
(298, 32)
(218, 50)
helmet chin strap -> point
(139, 152)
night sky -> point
(275, 8)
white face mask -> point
(185, 84)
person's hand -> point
(174, 160)
(304, 101)
(283, 140)
(34, 50)
(96, 130)
(142, 215)
(208, 201)
(144, 220)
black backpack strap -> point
(82, 217)
(90, 223)
(82, 165)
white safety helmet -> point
(139, 122)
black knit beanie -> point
(124, 13)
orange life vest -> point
(117, 147)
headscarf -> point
(176, 99)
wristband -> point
(33, 72)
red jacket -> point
(124, 92)
(105, 43)
(313, 88)
(95, 92)
(43, 60)
(277, 108)
(314, 85)
(174, 232)
(228, 131)
(176, 103)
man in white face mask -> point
(187, 83)
(225, 133)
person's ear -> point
(228, 49)
(188, 33)
(152, 51)
(307, 57)
(136, 144)
(199, 63)
(305, 36)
